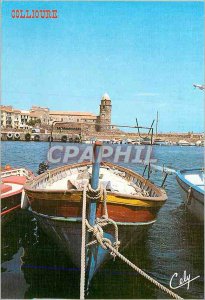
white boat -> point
(160, 142)
(183, 143)
(199, 143)
(191, 183)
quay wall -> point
(112, 135)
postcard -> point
(102, 146)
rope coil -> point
(94, 194)
(105, 243)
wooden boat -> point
(12, 181)
(56, 200)
(191, 183)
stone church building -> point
(77, 121)
(73, 122)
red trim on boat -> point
(10, 209)
(15, 179)
(4, 188)
(12, 194)
(117, 212)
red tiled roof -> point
(90, 117)
(6, 108)
(34, 115)
(70, 113)
(25, 114)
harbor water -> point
(34, 267)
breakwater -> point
(170, 138)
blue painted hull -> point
(66, 233)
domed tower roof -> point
(106, 97)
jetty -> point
(113, 136)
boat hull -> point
(59, 211)
(60, 217)
(12, 181)
(9, 207)
(69, 204)
(194, 201)
(67, 234)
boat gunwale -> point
(161, 194)
(7, 172)
(10, 173)
(180, 175)
(12, 193)
(185, 187)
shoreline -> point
(17, 135)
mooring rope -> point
(89, 193)
(105, 243)
(141, 272)
(83, 254)
(105, 202)
(97, 230)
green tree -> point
(33, 122)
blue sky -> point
(145, 55)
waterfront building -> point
(15, 118)
(6, 112)
(19, 119)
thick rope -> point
(141, 272)
(93, 194)
(83, 249)
(105, 202)
(101, 222)
(107, 244)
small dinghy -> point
(12, 181)
(117, 204)
(191, 183)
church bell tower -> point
(105, 112)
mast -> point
(157, 124)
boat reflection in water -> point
(17, 236)
(125, 200)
